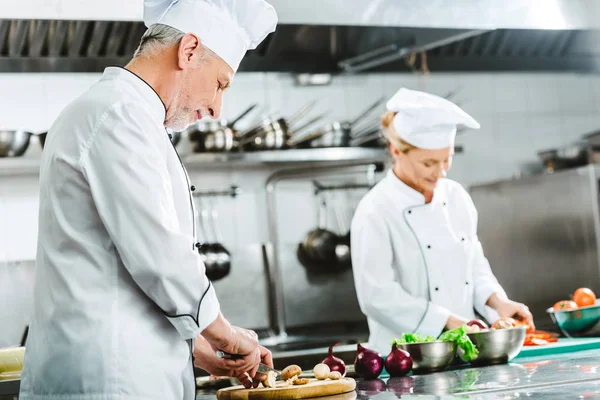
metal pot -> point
(14, 143)
(274, 133)
(216, 136)
(175, 137)
(335, 134)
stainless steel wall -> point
(540, 235)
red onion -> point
(398, 362)
(478, 323)
(334, 363)
(368, 363)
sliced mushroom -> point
(301, 381)
(269, 381)
(335, 375)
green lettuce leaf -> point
(459, 335)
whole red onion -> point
(479, 323)
(398, 362)
(368, 363)
(335, 363)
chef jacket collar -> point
(415, 197)
(145, 91)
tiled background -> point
(520, 114)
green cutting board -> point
(560, 347)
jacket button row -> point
(193, 188)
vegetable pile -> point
(458, 335)
(583, 297)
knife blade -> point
(262, 368)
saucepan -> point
(216, 258)
(14, 143)
(273, 133)
(216, 136)
(336, 133)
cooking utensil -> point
(216, 136)
(570, 156)
(342, 250)
(14, 143)
(374, 138)
(342, 389)
(497, 346)
(430, 356)
(216, 258)
(336, 133)
(273, 133)
(582, 322)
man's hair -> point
(159, 37)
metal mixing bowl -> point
(497, 346)
(430, 356)
(583, 322)
(14, 143)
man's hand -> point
(454, 322)
(221, 335)
(508, 308)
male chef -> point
(122, 306)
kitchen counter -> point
(563, 376)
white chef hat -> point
(227, 27)
(425, 120)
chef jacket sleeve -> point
(380, 296)
(485, 283)
(125, 166)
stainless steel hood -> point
(326, 36)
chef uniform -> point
(415, 263)
(120, 291)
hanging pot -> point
(216, 258)
(14, 143)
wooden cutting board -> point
(286, 391)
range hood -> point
(326, 36)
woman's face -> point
(420, 168)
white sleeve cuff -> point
(483, 294)
(190, 326)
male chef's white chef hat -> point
(227, 27)
(425, 120)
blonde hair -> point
(391, 135)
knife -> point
(262, 368)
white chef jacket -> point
(415, 263)
(120, 290)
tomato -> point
(584, 297)
(565, 305)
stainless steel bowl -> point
(14, 143)
(497, 346)
(583, 322)
(431, 356)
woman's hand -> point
(508, 308)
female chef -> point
(418, 264)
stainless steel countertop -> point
(564, 376)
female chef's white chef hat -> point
(425, 120)
(227, 27)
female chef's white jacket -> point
(415, 263)
(120, 291)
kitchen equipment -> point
(430, 356)
(216, 258)
(285, 391)
(216, 136)
(497, 346)
(273, 133)
(373, 138)
(342, 249)
(582, 322)
(563, 346)
(14, 143)
(262, 368)
(570, 156)
(11, 359)
(336, 133)
(175, 137)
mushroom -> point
(301, 381)
(269, 381)
(290, 371)
(335, 375)
(321, 371)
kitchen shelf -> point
(30, 166)
(292, 156)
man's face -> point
(203, 82)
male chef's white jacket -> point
(120, 291)
(415, 263)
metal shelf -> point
(292, 156)
(329, 156)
